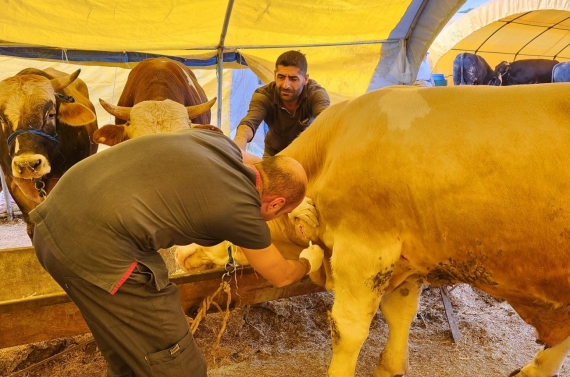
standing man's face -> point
(290, 82)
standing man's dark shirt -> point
(284, 127)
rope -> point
(205, 305)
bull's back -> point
(158, 79)
(469, 174)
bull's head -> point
(290, 236)
(147, 117)
(29, 115)
(500, 70)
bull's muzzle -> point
(29, 166)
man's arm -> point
(255, 115)
(244, 134)
(279, 271)
(319, 100)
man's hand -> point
(314, 254)
(249, 158)
(305, 211)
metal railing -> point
(7, 198)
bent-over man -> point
(99, 230)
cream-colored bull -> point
(442, 185)
(194, 258)
(148, 117)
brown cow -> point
(432, 196)
(151, 100)
(46, 122)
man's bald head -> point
(282, 177)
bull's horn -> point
(61, 82)
(194, 111)
(120, 112)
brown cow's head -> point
(147, 117)
(29, 116)
(500, 70)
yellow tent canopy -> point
(344, 40)
(506, 30)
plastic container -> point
(439, 79)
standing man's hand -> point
(305, 211)
(249, 158)
(243, 135)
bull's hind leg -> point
(361, 271)
(399, 308)
(553, 330)
(546, 363)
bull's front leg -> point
(361, 271)
(399, 308)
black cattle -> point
(526, 71)
(46, 123)
(561, 72)
(471, 69)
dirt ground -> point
(290, 337)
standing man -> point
(288, 105)
(99, 230)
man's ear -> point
(276, 204)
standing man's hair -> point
(292, 57)
(280, 177)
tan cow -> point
(46, 124)
(435, 186)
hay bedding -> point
(290, 337)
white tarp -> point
(506, 30)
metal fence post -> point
(7, 196)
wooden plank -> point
(455, 333)
(29, 318)
(23, 276)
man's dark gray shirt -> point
(118, 207)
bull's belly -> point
(537, 268)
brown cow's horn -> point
(61, 82)
(194, 111)
(120, 112)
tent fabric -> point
(108, 82)
(505, 30)
(347, 42)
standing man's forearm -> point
(243, 135)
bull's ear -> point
(61, 82)
(120, 112)
(197, 110)
(110, 134)
(75, 114)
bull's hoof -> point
(519, 373)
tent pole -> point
(220, 64)
(220, 72)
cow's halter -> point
(41, 187)
(34, 131)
